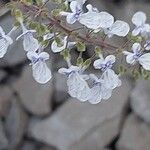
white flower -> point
(80, 2)
(77, 86)
(147, 44)
(73, 16)
(29, 42)
(99, 90)
(48, 36)
(55, 48)
(111, 80)
(95, 20)
(139, 20)
(119, 28)
(138, 56)
(5, 42)
(90, 8)
(41, 72)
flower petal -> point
(111, 80)
(30, 43)
(3, 47)
(144, 60)
(71, 18)
(136, 31)
(41, 72)
(110, 58)
(136, 47)
(130, 57)
(94, 20)
(139, 18)
(44, 55)
(120, 28)
(97, 63)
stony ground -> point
(44, 117)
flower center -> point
(78, 12)
(137, 55)
(35, 60)
(106, 66)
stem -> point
(61, 28)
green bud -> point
(145, 74)
(39, 2)
(98, 50)
(64, 6)
(56, 12)
(57, 1)
(28, 2)
(136, 74)
(87, 63)
(65, 53)
(16, 23)
(45, 43)
(18, 15)
(59, 41)
(79, 61)
(122, 69)
(81, 47)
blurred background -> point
(44, 117)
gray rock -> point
(16, 123)
(60, 86)
(35, 97)
(3, 139)
(5, 100)
(140, 99)
(76, 124)
(28, 146)
(47, 148)
(135, 135)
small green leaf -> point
(79, 61)
(81, 47)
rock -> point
(76, 124)
(47, 148)
(16, 123)
(27, 145)
(35, 97)
(60, 84)
(3, 139)
(140, 99)
(135, 135)
(5, 100)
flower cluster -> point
(37, 36)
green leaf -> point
(39, 2)
(81, 47)
(87, 63)
(28, 2)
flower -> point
(139, 20)
(5, 42)
(77, 86)
(48, 36)
(147, 44)
(41, 72)
(119, 28)
(138, 56)
(29, 42)
(73, 16)
(56, 48)
(110, 79)
(96, 20)
(99, 90)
